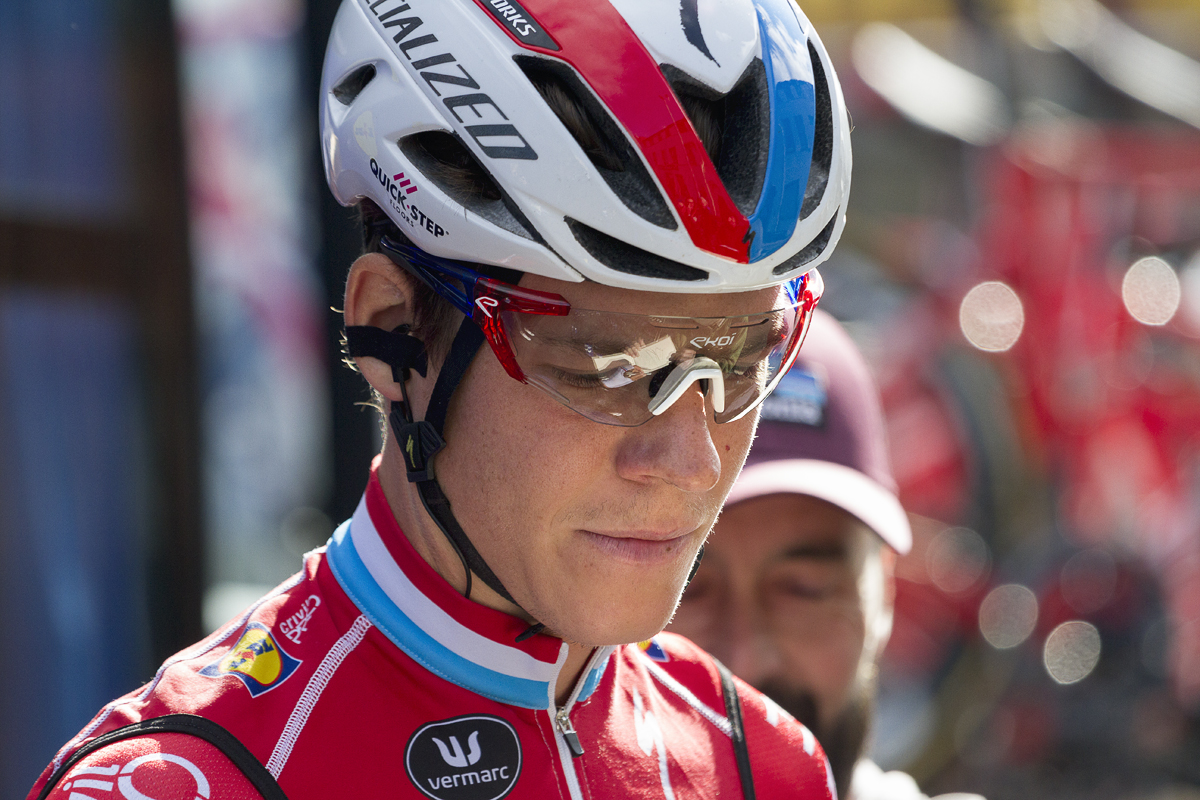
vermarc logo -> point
(453, 755)
(487, 769)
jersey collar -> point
(457, 639)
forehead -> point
(598, 297)
(783, 526)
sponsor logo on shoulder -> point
(800, 397)
(295, 625)
(465, 758)
(257, 660)
(119, 777)
(654, 650)
(512, 16)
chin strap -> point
(422, 440)
(695, 567)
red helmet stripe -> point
(607, 54)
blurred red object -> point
(1116, 402)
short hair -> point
(435, 320)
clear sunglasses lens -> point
(610, 367)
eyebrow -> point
(816, 552)
(609, 347)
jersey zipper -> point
(569, 745)
(562, 721)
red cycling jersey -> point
(368, 675)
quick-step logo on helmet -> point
(256, 660)
(495, 135)
(464, 758)
(398, 187)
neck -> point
(577, 658)
(429, 541)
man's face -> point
(593, 528)
(791, 597)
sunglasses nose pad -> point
(682, 377)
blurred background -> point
(1021, 265)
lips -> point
(642, 547)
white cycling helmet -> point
(409, 83)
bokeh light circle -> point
(1008, 615)
(991, 317)
(1151, 291)
(1072, 651)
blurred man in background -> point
(796, 587)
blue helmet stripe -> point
(793, 121)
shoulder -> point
(249, 675)
(699, 672)
(784, 754)
(872, 783)
(174, 757)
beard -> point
(843, 739)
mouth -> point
(641, 547)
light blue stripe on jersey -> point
(361, 587)
(593, 680)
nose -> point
(675, 446)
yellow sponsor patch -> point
(653, 649)
(257, 660)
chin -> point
(616, 619)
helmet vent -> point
(735, 128)
(352, 85)
(623, 257)
(599, 136)
(818, 173)
(811, 250)
(445, 161)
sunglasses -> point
(617, 368)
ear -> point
(887, 559)
(379, 294)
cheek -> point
(829, 655)
(732, 441)
(514, 455)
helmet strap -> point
(695, 567)
(422, 440)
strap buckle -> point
(419, 441)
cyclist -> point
(624, 202)
(795, 592)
